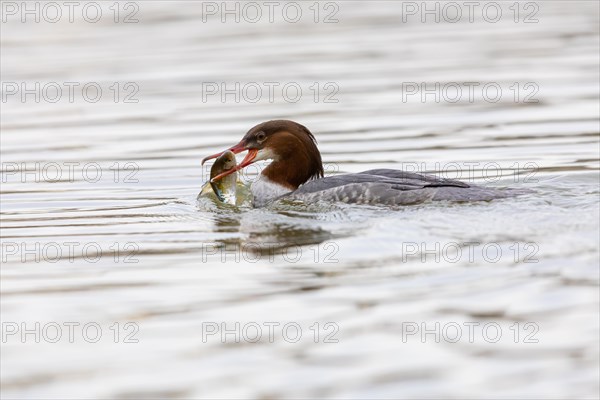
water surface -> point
(174, 266)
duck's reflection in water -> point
(261, 235)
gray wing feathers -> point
(368, 193)
(395, 187)
(430, 180)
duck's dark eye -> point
(261, 136)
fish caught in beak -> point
(249, 159)
(238, 148)
(225, 189)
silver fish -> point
(224, 188)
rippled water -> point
(176, 268)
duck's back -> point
(395, 187)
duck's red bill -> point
(238, 148)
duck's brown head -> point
(291, 146)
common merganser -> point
(296, 173)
